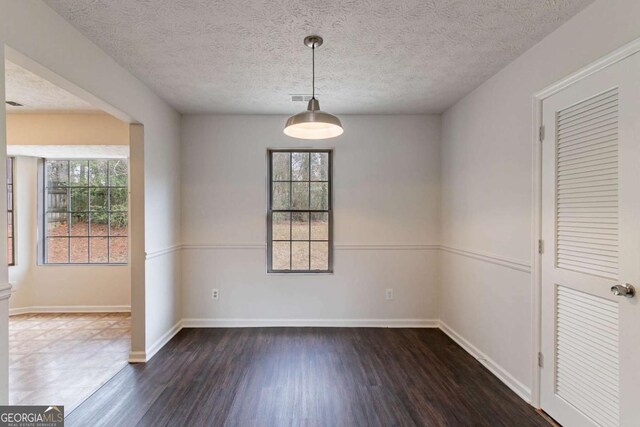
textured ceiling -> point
(38, 95)
(379, 56)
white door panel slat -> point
(587, 126)
(587, 353)
(581, 354)
(590, 132)
(584, 213)
(602, 313)
(608, 130)
(595, 207)
(575, 366)
(583, 383)
(597, 140)
(587, 249)
(602, 104)
(592, 165)
(605, 418)
(610, 182)
(587, 104)
(593, 270)
(590, 116)
(587, 152)
(593, 326)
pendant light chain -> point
(313, 71)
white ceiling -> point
(380, 56)
(38, 95)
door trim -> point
(536, 227)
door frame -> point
(536, 226)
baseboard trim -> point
(326, 323)
(137, 357)
(163, 340)
(516, 386)
(71, 309)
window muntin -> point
(11, 246)
(299, 211)
(85, 217)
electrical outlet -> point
(215, 294)
(388, 294)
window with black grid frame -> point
(300, 211)
(85, 211)
(11, 246)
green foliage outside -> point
(95, 189)
(295, 181)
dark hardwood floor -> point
(307, 376)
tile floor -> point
(62, 358)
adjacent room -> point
(337, 213)
(67, 242)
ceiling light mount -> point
(313, 123)
(313, 41)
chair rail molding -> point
(5, 291)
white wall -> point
(80, 66)
(386, 207)
(487, 186)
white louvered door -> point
(591, 232)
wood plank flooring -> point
(307, 376)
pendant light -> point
(313, 123)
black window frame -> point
(270, 212)
(43, 208)
(11, 207)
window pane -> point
(57, 173)
(57, 224)
(319, 166)
(280, 195)
(79, 250)
(9, 197)
(118, 224)
(300, 166)
(98, 172)
(281, 166)
(319, 195)
(98, 224)
(10, 251)
(300, 197)
(280, 253)
(10, 225)
(118, 252)
(79, 224)
(118, 199)
(98, 199)
(300, 226)
(57, 200)
(79, 173)
(79, 200)
(300, 256)
(58, 250)
(98, 247)
(118, 173)
(319, 255)
(319, 226)
(280, 227)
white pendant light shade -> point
(313, 124)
